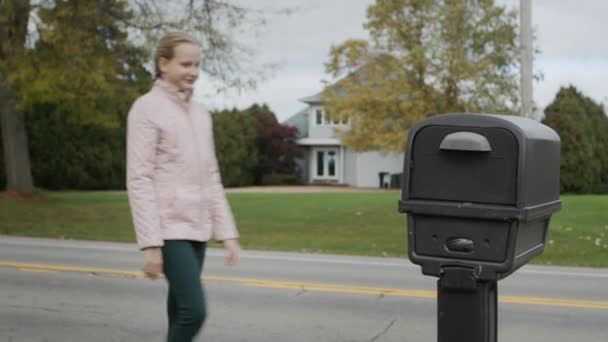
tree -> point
(69, 155)
(276, 144)
(235, 145)
(82, 65)
(582, 125)
(424, 57)
(80, 75)
(216, 24)
(14, 15)
(73, 85)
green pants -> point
(186, 307)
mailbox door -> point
(464, 164)
(460, 238)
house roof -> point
(303, 112)
(314, 99)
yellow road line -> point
(377, 291)
(65, 268)
(313, 287)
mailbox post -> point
(479, 191)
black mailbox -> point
(479, 191)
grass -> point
(578, 235)
(365, 223)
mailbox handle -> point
(465, 141)
(460, 245)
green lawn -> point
(365, 223)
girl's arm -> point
(142, 135)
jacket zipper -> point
(199, 164)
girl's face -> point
(181, 70)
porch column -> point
(342, 172)
(313, 162)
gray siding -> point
(369, 164)
(350, 166)
(303, 165)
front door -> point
(326, 163)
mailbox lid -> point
(445, 167)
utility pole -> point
(525, 36)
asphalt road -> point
(89, 291)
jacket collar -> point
(180, 97)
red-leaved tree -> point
(277, 148)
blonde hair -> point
(166, 47)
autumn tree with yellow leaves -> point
(424, 57)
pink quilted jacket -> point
(173, 180)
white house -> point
(327, 160)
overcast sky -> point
(571, 35)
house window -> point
(319, 117)
(331, 163)
(320, 163)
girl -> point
(175, 191)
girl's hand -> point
(233, 248)
(153, 262)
